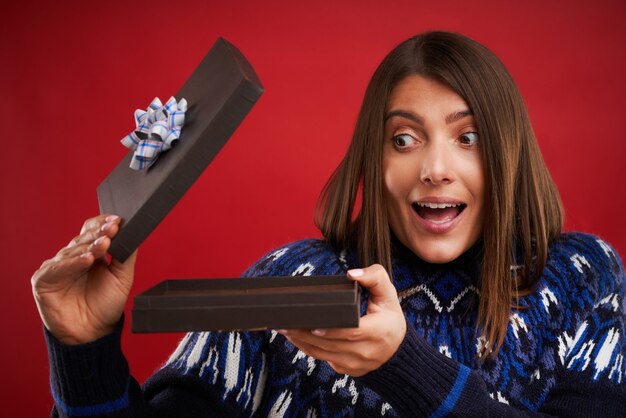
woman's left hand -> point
(358, 351)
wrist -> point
(80, 335)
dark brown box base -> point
(247, 304)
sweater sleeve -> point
(93, 380)
(589, 355)
(419, 381)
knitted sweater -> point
(563, 354)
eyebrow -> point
(404, 114)
(451, 118)
(457, 116)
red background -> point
(73, 72)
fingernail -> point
(111, 218)
(106, 226)
(356, 272)
(85, 254)
(319, 332)
(97, 241)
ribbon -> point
(158, 127)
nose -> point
(437, 165)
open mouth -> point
(438, 212)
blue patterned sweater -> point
(563, 354)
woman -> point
(476, 304)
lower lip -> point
(438, 227)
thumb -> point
(376, 279)
(124, 271)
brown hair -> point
(522, 205)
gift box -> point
(219, 94)
(247, 304)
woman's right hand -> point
(79, 295)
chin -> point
(438, 257)
(438, 252)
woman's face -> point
(433, 172)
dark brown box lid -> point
(220, 93)
(247, 304)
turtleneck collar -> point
(410, 270)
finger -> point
(371, 328)
(98, 221)
(85, 235)
(376, 280)
(95, 228)
(341, 361)
(96, 243)
(312, 350)
(331, 345)
(99, 247)
(83, 239)
(341, 334)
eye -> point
(469, 138)
(403, 141)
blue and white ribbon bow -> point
(157, 128)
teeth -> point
(438, 205)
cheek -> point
(472, 175)
(393, 194)
(475, 183)
(397, 180)
(478, 183)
